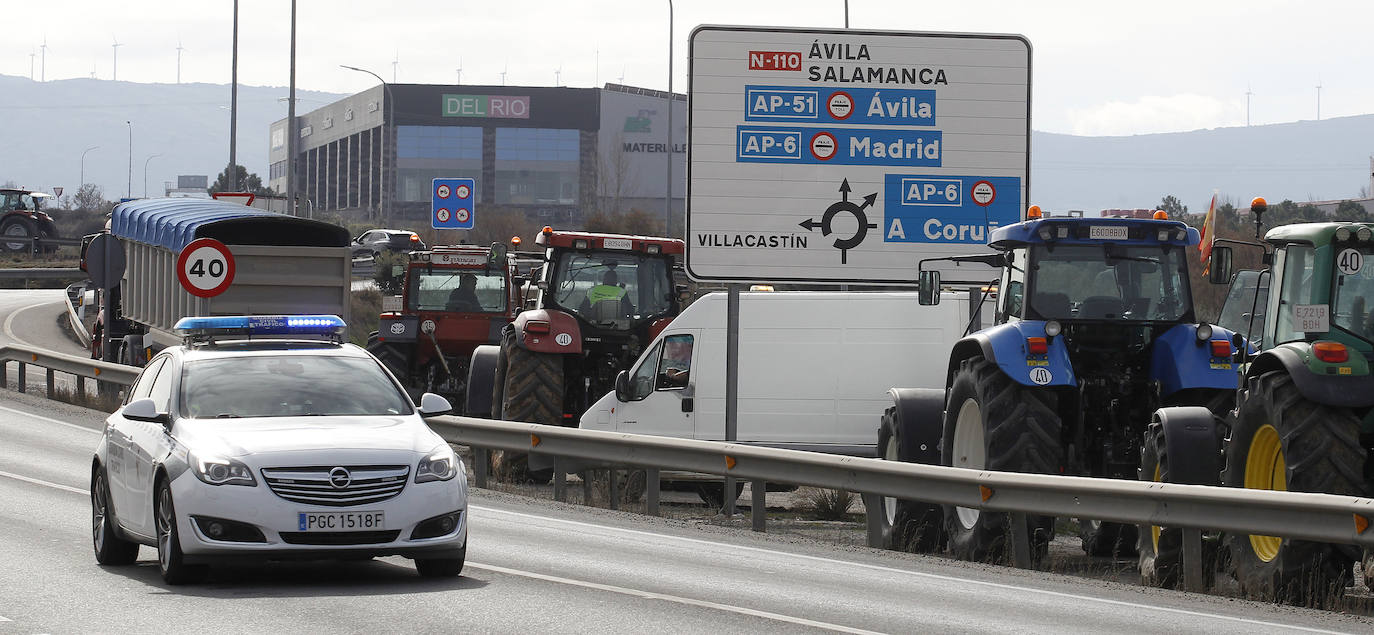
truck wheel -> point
(994, 423)
(533, 394)
(1282, 441)
(18, 233)
(908, 525)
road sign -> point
(57, 190)
(205, 268)
(454, 206)
(104, 261)
(844, 156)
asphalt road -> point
(538, 566)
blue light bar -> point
(254, 325)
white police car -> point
(237, 446)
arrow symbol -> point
(869, 200)
(845, 190)
(809, 224)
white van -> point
(814, 368)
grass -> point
(107, 401)
(826, 504)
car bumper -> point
(275, 517)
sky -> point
(1099, 68)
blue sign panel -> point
(838, 146)
(948, 209)
(868, 106)
(454, 203)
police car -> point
(254, 441)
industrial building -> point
(556, 154)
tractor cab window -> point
(1295, 264)
(1354, 302)
(20, 201)
(1243, 311)
(1109, 282)
(1014, 284)
(458, 290)
(611, 288)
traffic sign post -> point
(453, 204)
(205, 268)
(844, 156)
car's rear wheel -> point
(110, 548)
(170, 559)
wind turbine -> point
(558, 77)
(393, 65)
(503, 73)
(460, 70)
(31, 56)
(1319, 98)
(114, 73)
(179, 50)
(43, 60)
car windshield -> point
(1109, 282)
(462, 290)
(288, 386)
(612, 287)
(1355, 291)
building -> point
(556, 154)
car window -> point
(288, 385)
(642, 382)
(676, 364)
(144, 383)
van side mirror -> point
(1220, 267)
(622, 386)
(928, 288)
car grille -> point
(339, 537)
(313, 486)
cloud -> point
(1152, 114)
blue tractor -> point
(1094, 330)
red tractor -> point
(601, 299)
(454, 299)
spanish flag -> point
(1204, 247)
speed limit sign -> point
(205, 268)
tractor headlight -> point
(1045, 232)
(1204, 332)
(1053, 328)
(1343, 234)
(1363, 234)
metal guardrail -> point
(74, 316)
(81, 367)
(46, 273)
(1307, 516)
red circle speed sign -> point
(205, 268)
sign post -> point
(844, 156)
(453, 204)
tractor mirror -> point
(497, 257)
(928, 288)
(622, 386)
(683, 293)
(1220, 267)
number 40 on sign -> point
(205, 268)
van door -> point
(661, 390)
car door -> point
(661, 391)
(149, 442)
(120, 465)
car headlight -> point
(440, 465)
(217, 470)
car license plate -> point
(1106, 232)
(340, 521)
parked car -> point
(375, 241)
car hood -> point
(240, 437)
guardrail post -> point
(1020, 540)
(52, 389)
(651, 486)
(560, 482)
(80, 388)
(587, 487)
(728, 494)
(479, 467)
(22, 368)
(1193, 580)
(4, 373)
(873, 513)
(758, 508)
(613, 488)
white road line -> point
(670, 598)
(919, 574)
(65, 488)
(5, 619)
(9, 322)
(50, 420)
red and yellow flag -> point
(1204, 247)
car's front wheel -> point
(170, 560)
(441, 567)
(110, 548)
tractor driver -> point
(464, 298)
(609, 290)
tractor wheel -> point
(498, 384)
(1106, 539)
(909, 525)
(1282, 441)
(17, 233)
(993, 423)
(1160, 548)
(533, 394)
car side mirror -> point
(928, 288)
(622, 386)
(1219, 271)
(145, 409)
(432, 405)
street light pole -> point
(83, 167)
(389, 121)
(129, 193)
(291, 124)
(233, 180)
(668, 195)
(145, 172)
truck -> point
(22, 219)
(601, 298)
(813, 367)
(1304, 414)
(1094, 330)
(284, 266)
(453, 299)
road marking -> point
(919, 574)
(9, 322)
(671, 598)
(65, 488)
(50, 420)
(5, 619)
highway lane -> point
(537, 566)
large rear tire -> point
(1160, 548)
(910, 525)
(17, 233)
(993, 423)
(533, 394)
(1282, 441)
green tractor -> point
(1304, 417)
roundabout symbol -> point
(845, 205)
